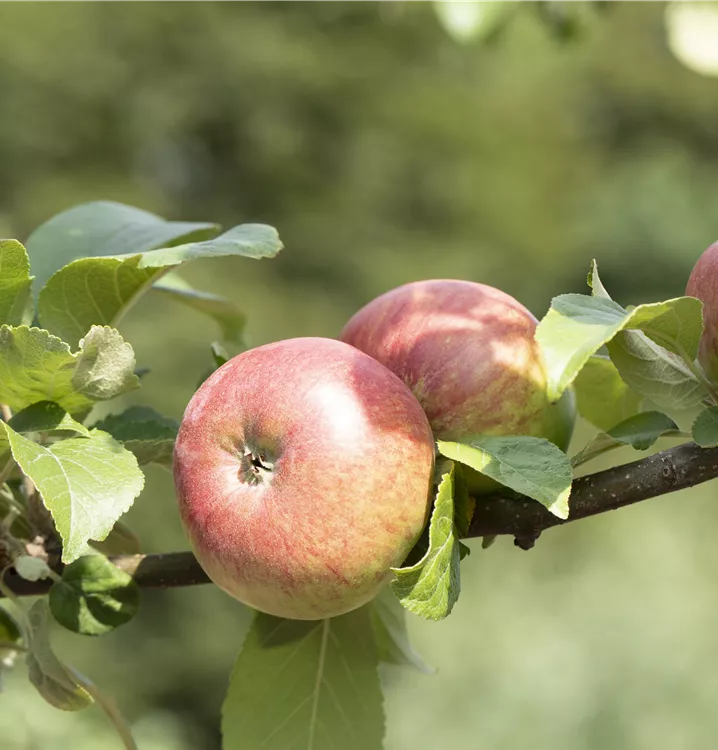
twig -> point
(670, 470)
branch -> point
(674, 469)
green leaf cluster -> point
(63, 478)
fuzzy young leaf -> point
(31, 568)
(531, 466)
(308, 684)
(655, 373)
(98, 291)
(104, 228)
(86, 483)
(15, 284)
(603, 398)
(388, 620)
(639, 431)
(55, 682)
(93, 597)
(149, 435)
(36, 366)
(46, 416)
(705, 428)
(431, 587)
(230, 319)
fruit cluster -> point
(304, 468)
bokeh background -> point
(387, 143)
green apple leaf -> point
(577, 326)
(656, 373)
(15, 284)
(705, 428)
(224, 312)
(431, 587)
(37, 366)
(305, 684)
(55, 682)
(464, 503)
(595, 283)
(99, 291)
(219, 354)
(46, 416)
(85, 483)
(602, 396)
(149, 435)
(120, 541)
(532, 466)
(93, 597)
(639, 431)
(104, 228)
(388, 620)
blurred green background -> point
(384, 149)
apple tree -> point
(332, 487)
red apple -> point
(703, 284)
(468, 353)
(303, 471)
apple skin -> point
(468, 353)
(303, 471)
(703, 284)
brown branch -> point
(668, 471)
(674, 469)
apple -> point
(468, 353)
(703, 284)
(303, 471)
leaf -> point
(228, 316)
(36, 366)
(431, 587)
(388, 620)
(31, 568)
(120, 541)
(311, 685)
(464, 503)
(219, 354)
(46, 416)
(99, 291)
(577, 326)
(94, 597)
(15, 284)
(85, 483)
(705, 428)
(104, 228)
(655, 373)
(149, 435)
(531, 466)
(639, 431)
(55, 682)
(602, 396)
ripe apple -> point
(468, 353)
(303, 471)
(703, 284)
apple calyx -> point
(255, 467)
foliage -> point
(322, 675)
(431, 170)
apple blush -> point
(303, 471)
